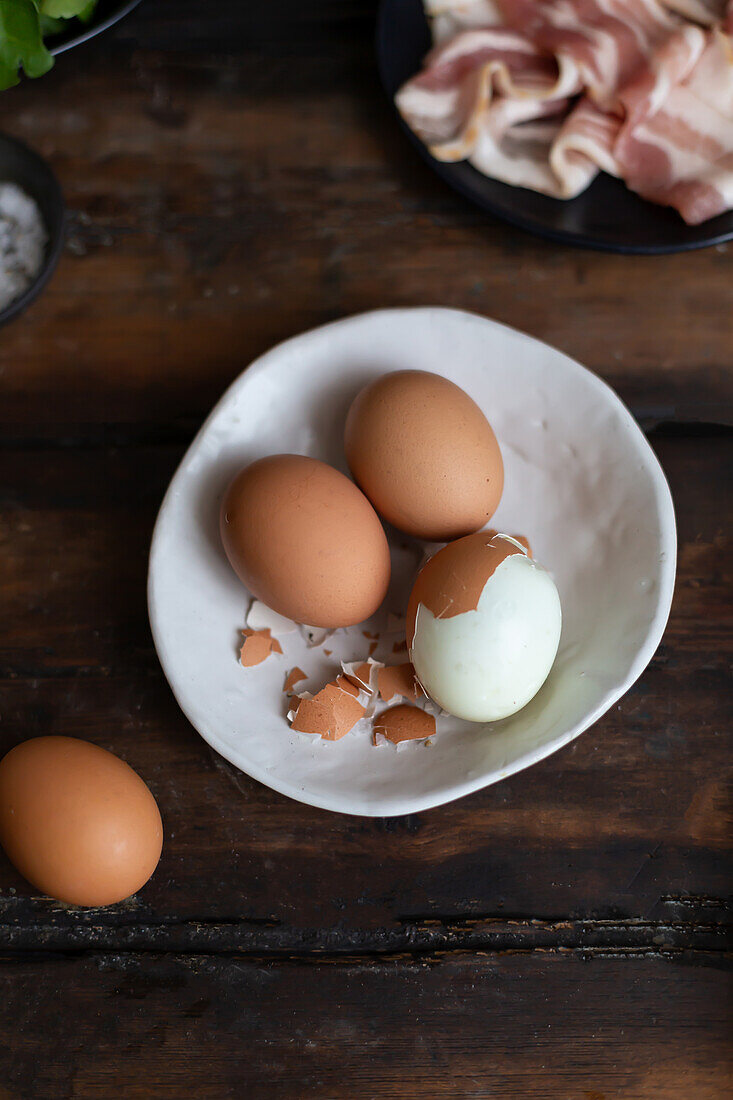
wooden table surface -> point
(234, 175)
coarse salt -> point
(22, 242)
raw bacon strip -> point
(657, 108)
(515, 143)
(559, 157)
(682, 155)
(448, 102)
(584, 144)
(608, 41)
(448, 17)
(479, 89)
(706, 12)
(670, 64)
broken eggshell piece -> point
(403, 723)
(483, 627)
(362, 674)
(262, 617)
(314, 636)
(331, 713)
(257, 647)
(398, 682)
(294, 677)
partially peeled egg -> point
(483, 627)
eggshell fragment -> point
(404, 723)
(524, 542)
(257, 647)
(331, 713)
(77, 821)
(397, 681)
(262, 617)
(345, 684)
(362, 675)
(294, 677)
(315, 636)
(491, 533)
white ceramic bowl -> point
(581, 482)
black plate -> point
(22, 165)
(106, 15)
(606, 216)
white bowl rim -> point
(394, 807)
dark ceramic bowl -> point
(21, 165)
(106, 15)
(607, 216)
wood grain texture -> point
(221, 202)
(553, 1027)
(234, 175)
(623, 823)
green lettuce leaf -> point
(67, 9)
(86, 13)
(21, 44)
(55, 25)
(51, 26)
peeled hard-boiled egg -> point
(483, 627)
(77, 821)
(306, 541)
(424, 454)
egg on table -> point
(424, 454)
(306, 541)
(483, 626)
(77, 821)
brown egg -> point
(77, 822)
(305, 541)
(424, 454)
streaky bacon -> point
(447, 102)
(706, 12)
(682, 154)
(610, 41)
(545, 93)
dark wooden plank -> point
(630, 821)
(560, 935)
(549, 1026)
(283, 26)
(27, 926)
(220, 203)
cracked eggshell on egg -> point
(483, 627)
